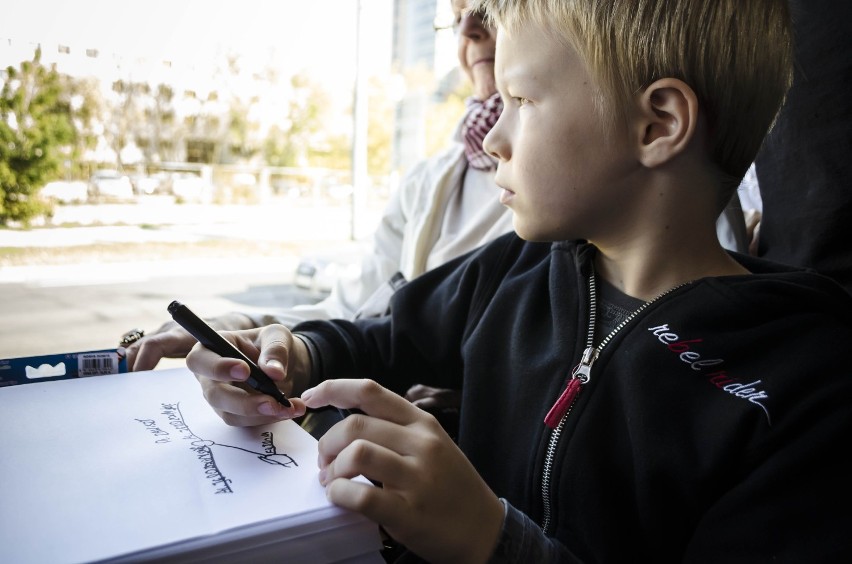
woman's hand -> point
(169, 341)
(431, 498)
(173, 341)
(281, 356)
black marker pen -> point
(208, 337)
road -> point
(87, 303)
(66, 309)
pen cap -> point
(174, 306)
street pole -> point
(359, 135)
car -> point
(66, 191)
(111, 185)
(188, 187)
(148, 184)
(318, 272)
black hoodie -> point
(712, 427)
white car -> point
(110, 184)
(66, 191)
(147, 185)
(190, 187)
(318, 272)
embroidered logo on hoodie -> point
(750, 391)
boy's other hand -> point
(431, 498)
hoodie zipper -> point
(580, 375)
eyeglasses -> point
(454, 22)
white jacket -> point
(404, 239)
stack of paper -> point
(138, 467)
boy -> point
(630, 392)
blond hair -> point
(735, 54)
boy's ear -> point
(667, 120)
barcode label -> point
(97, 364)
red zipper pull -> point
(579, 376)
(560, 408)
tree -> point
(35, 125)
(442, 117)
(239, 143)
(160, 116)
(86, 111)
(301, 137)
(379, 129)
(127, 121)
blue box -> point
(64, 366)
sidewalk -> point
(160, 220)
(155, 230)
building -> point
(423, 57)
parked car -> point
(66, 191)
(149, 184)
(110, 184)
(190, 187)
(318, 272)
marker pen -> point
(208, 337)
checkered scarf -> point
(481, 117)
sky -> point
(313, 34)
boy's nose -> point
(494, 143)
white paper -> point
(99, 467)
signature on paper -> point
(204, 448)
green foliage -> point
(240, 131)
(86, 107)
(443, 117)
(294, 142)
(380, 124)
(334, 152)
(278, 149)
(305, 138)
(35, 125)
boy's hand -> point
(432, 499)
(282, 357)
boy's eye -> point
(522, 101)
